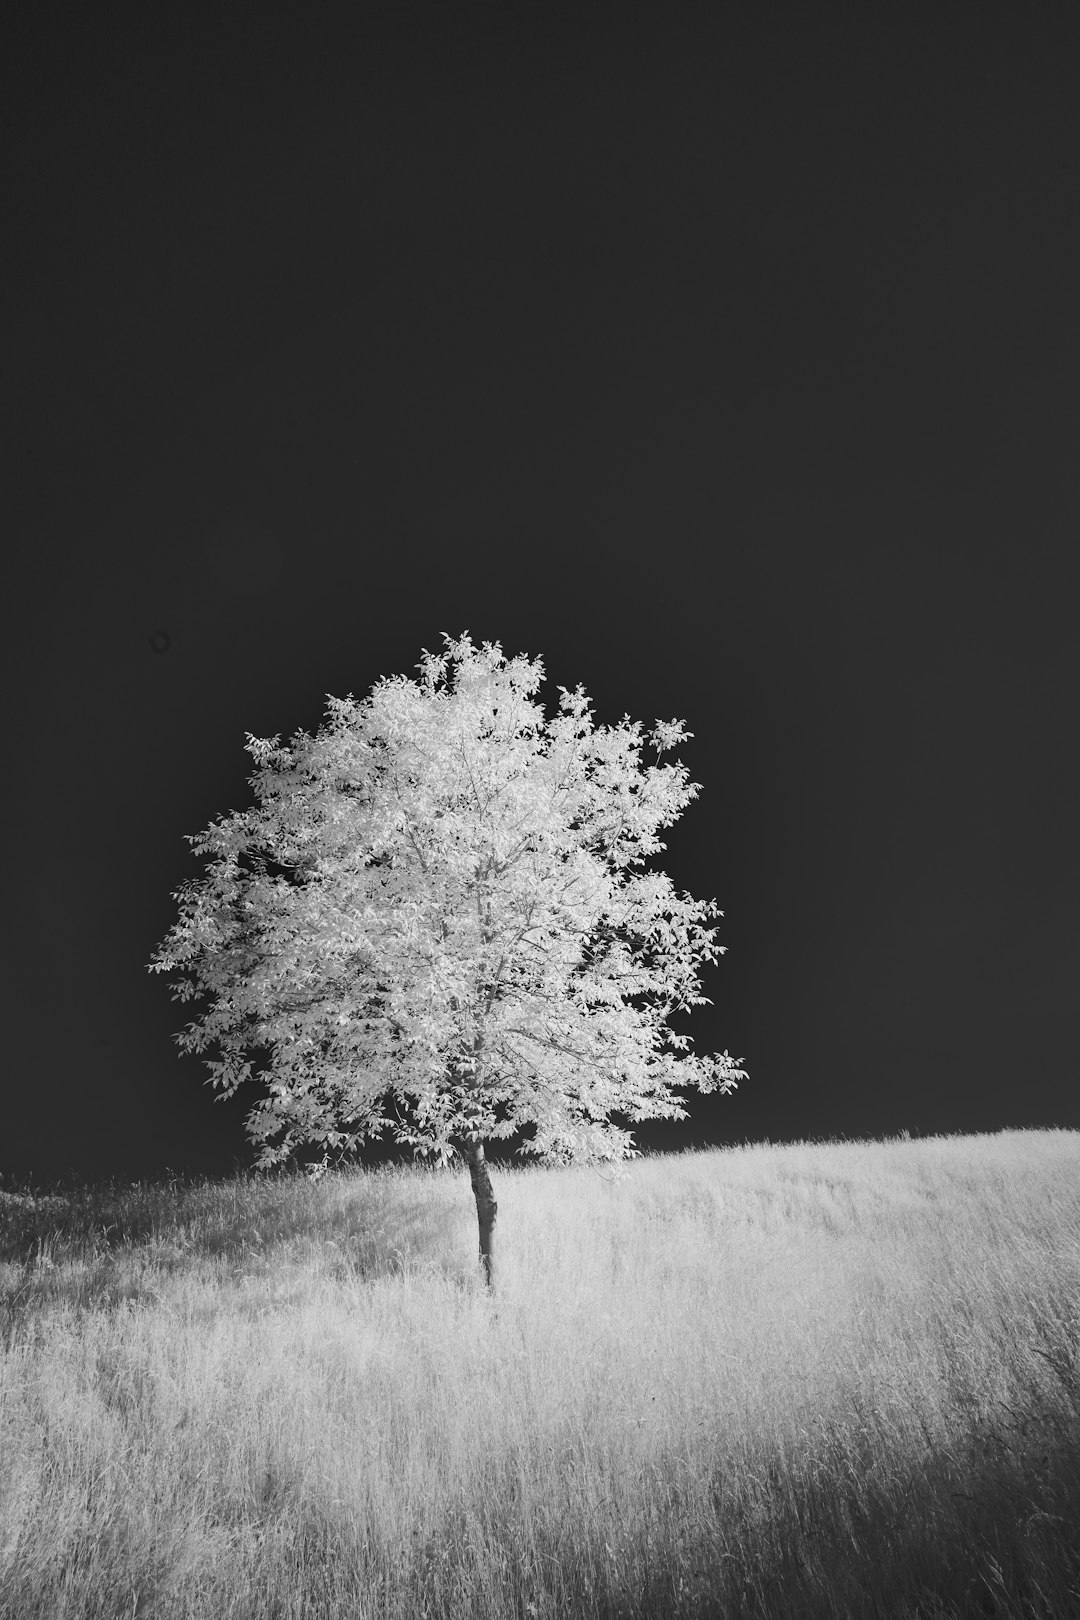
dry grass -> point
(836, 1379)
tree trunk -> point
(486, 1207)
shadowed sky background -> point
(725, 358)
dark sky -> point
(724, 358)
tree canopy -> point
(434, 922)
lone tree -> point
(431, 923)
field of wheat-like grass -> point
(823, 1379)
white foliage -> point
(455, 943)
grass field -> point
(833, 1379)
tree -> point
(431, 922)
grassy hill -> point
(826, 1379)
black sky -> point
(726, 361)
